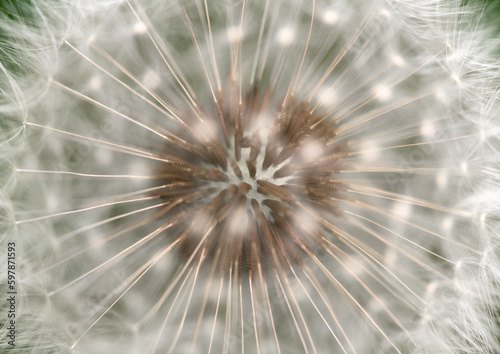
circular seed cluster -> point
(248, 195)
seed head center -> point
(253, 185)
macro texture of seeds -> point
(218, 178)
(251, 176)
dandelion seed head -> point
(252, 176)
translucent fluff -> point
(251, 176)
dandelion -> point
(251, 176)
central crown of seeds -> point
(241, 183)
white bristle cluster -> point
(250, 176)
